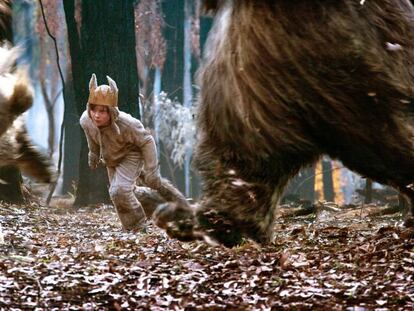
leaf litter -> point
(62, 259)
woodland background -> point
(152, 49)
(332, 249)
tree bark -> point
(368, 191)
(11, 185)
(173, 73)
(173, 70)
(71, 147)
(49, 105)
(328, 189)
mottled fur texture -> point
(284, 82)
(16, 96)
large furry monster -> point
(16, 96)
(284, 82)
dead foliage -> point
(55, 258)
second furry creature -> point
(284, 82)
(16, 96)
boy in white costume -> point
(121, 142)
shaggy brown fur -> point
(284, 82)
(16, 96)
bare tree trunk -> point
(49, 105)
(328, 188)
(187, 85)
(403, 204)
(72, 133)
(173, 70)
(11, 185)
(368, 191)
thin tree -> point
(48, 74)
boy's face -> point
(100, 115)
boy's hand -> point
(93, 160)
(153, 179)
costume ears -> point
(93, 83)
(112, 84)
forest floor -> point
(64, 259)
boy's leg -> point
(150, 199)
(122, 179)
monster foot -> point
(177, 220)
(188, 224)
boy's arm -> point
(144, 140)
(94, 150)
